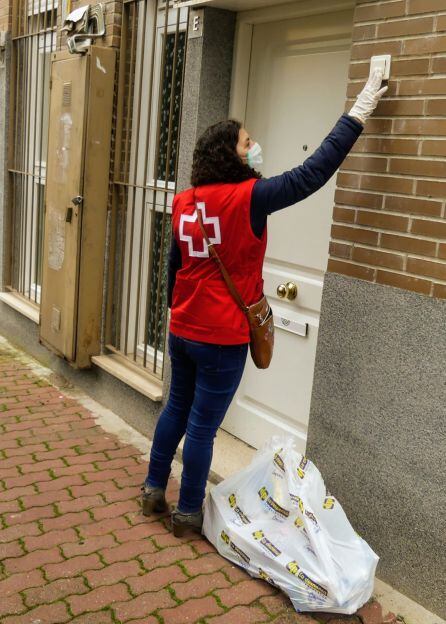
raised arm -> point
(278, 192)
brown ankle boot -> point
(153, 500)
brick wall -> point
(389, 223)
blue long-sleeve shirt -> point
(272, 194)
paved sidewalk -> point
(74, 546)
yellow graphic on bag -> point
(301, 467)
(225, 537)
(299, 522)
(233, 504)
(294, 568)
(263, 493)
(263, 575)
(328, 503)
(279, 461)
(260, 537)
(272, 504)
(299, 502)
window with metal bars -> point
(33, 40)
(152, 60)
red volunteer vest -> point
(202, 306)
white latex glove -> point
(369, 97)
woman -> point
(209, 334)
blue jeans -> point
(205, 378)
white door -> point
(295, 94)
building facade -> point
(356, 273)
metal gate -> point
(151, 75)
(33, 39)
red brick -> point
(116, 509)
(425, 6)
(235, 574)
(427, 268)
(425, 227)
(104, 475)
(103, 617)
(99, 598)
(406, 282)
(73, 567)
(200, 585)
(425, 87)
(55, 591)
(168, 556)
(127, 551)
(26, 479)
(47, 498)
(88, 458)
(9, 507)
(126, 451)
(425, 45)
(418, 246)
(431, 188)
(25, 450)
(156, 580)
(379, 10)
(205, 564)
(12, 549)
(73, 470)
(51, 613)
(20, 530)
(141, 531)
(439, 290)
(32, 560)
(275, 604)
(37, 513)
(358, 199)
(52, 538)
(354, 234)
(191, 611)
(56, 454)
(80, 504)
(66, 521)
(19, 582)
(11, 604)
(387, 184)
(378, 258)
(143, 605)
(371, 613)
(245, 615)
(112, 573)
(245, 592)
(413, 205)
(60, 484)
(401, 28)
(93, 488)
(114, 464)
(128, 493)
(417, 167)
(344, 215)
(104, 527)
(382, 220)
(84, 547)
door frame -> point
(246, 20)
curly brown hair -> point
(215, 156)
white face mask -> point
(254, 156)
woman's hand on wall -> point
(369, 97)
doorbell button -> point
(381, 62)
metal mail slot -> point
(301, 329)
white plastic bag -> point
(276, 519)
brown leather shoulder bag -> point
(259, 315)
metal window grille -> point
(33, 40)
(151, 74)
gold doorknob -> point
(287, 291)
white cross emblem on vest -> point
(187, 238)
